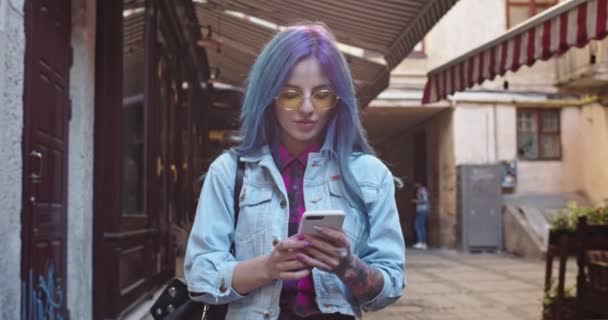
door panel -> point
(139, 168)
(167, 78)
(132, 229)
(45, 146)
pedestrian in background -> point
(304, 148)
(423, 207)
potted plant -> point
(566, 309)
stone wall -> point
(12, 53)
(80, 163)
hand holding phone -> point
(323, 218)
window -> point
(538, 134)
(520, 10)
(418, 51)
(133, 112)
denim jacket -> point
(263, 219)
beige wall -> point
(474, 141)
(488, 134)
(463, 28)
(542, 177)
(506, 126)
(571, 148)
(592, 162)
(444, 219)
(554, 176)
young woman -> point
(304, 149)
(422, 212)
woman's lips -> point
(305, 125)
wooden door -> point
(45, 159)
(167, 173)
(130, 259)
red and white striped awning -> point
(569, 23)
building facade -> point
(75, 80)
(110, 113)
(544, 124)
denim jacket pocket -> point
(254, 203)
(368, 190)
(352, 221)
(370, 193)
(337, 192)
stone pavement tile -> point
(414, 290)
(439, 315)
(423, 256)
(516, 298)
(532, 277)
(484, 313)
(501, 259)
(396, 312)
(451, 285)
(525, 274)
(458, 300)
(413, 313)
(498, 286)
(471, 276)
(528, 311)
(513, 267)
(429, 260)
(431, 265)
(449, 270)
(418, 277)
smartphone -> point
(323, 218)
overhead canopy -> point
(389, 28)
(243, 40)
(567, 24)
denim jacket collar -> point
(264, 156)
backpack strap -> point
(238, 185)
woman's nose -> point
(307, 106)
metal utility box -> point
(480, 207)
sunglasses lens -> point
(324, 99)
(290, 99)
(321, 100)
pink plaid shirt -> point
(297, 296)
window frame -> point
(534, 8)
(419, 53)
(540, 133)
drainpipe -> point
(494, 112)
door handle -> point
(173, 169)
(36, 175)
(159, 167)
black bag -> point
(174, 302)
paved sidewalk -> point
(453, 285)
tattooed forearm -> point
(364, 281)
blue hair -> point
(344, 133)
